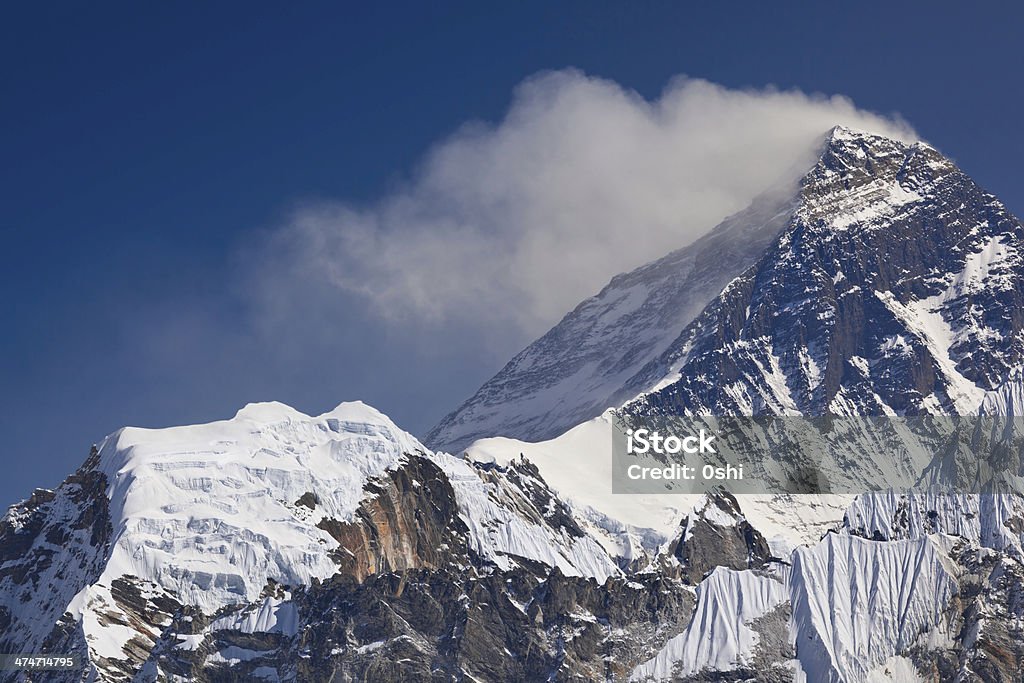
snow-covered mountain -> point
(279, 546)
(223, 519)
(897, 288)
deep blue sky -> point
(142, 144)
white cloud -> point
(505, 227)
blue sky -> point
(153, 150)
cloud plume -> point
(506, 226)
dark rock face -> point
(525, 477)
(717, 535)
(986, 616)
(424, 625)
(145, 609)
(308, 499)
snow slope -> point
(856, 603)
(578, 466)
(719, 637)
(851, 605)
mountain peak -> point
(893, 290)
(863, 177)
(840, 132)
(856, 148)
(538, 395)
(269, 412)
(844, 136)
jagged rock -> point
(716, 534)
(409, 521)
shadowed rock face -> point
(29, 538)
(443, 625)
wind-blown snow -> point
(603, 352)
